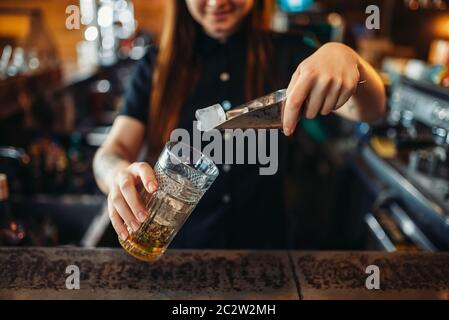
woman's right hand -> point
(124, 204)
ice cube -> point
(210, 117)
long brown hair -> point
(177, 65)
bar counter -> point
(40, 273)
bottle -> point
(11, 233)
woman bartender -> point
(219, 51)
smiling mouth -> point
(220, 15)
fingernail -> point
(292, 131)
(142, 216)
(152, 187)
(134, 225)
(123, 236)
(287, 131)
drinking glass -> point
(184, 174)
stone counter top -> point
(39, 273)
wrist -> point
(114, 172)
(106, 165)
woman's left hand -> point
(322, 83)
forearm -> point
(106, 164)
(369, 101)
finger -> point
(124, 211)
(317, 96)
(294, 103)
(347, 91)
(292, 82)
(117, 222)
(132, 198)
(332, 97)
(146, 174)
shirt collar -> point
(208, 45)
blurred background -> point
(387, 184)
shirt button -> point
(224, 76)
(226, 167)
(226, 198)
(226, 105)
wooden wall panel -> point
(54, 16)
(149, 14)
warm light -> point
(14, 26)
(439, 52)
(91, 33)
(334, 19)
(441, 27)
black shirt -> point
(242, 209)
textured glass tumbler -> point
(184, 174)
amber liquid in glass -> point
(167, 212)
